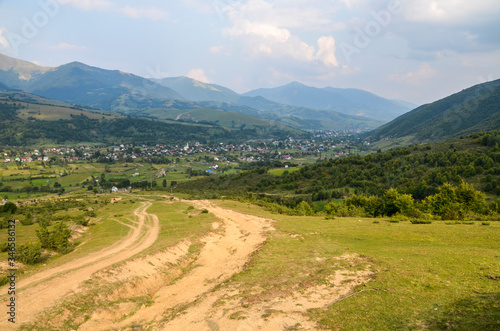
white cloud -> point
(216, 49)
(199, 74)
(154, 14)
(70, 47)
(4, 43)
(272, 41)
(151, 13)
(424, 72)
(449, 10)
(326, 51)
(88, 4)
(265, 29)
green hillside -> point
(304, 118)
(25, 124)
(472, 110)
(418, 171)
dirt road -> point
(222, 256)
(45, 289)
(199, 298)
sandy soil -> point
(201, 298)
(46, 288)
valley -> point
(173, 204)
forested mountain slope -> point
(472, 110)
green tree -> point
(28, 219)
(29, 253)
(9, 207)
(304, 209)
(395, 202)
(59, 238)
(470, 199)
(43, 235)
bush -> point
(27, 220)
(57, 239)
(205, 211)
(82, 221)
(29, 253)
(4, 223)
(485, 223)
(4, 280)
(420, 222)
(399, 218)
(303, 209)
(9, 207)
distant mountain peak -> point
(24, 69)
(347, 101)
(296, 83)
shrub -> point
(415, 221)
(57, 239)
(485, 223)
(27, 220)
(9, 207)
(205, 211)
(4, 223)
(304, 209)
(29, 253)
(82, 221)
(399, 218)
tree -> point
(304, 209)
(59, 238)
(394, 202)
(29, 253)
(470, 199)
(28, 219)
(9, 207)
(164, 183)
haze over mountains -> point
(304, 107)
(348, 101)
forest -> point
(448, 180)
(19, 132)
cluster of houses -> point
(41, 155)
(249, 152)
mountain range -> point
(471, 110)
(113, 90)
(348, 101)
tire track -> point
(43, 290)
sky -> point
(413, 50)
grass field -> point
(425, 276)
(435, 276)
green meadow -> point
(431, 276)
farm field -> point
(166, 263)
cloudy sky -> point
(414, 50)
